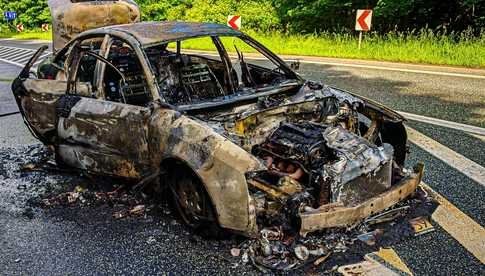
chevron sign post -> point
(234, 21)
(363, 23)
(20, 27)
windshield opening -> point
(227, 68)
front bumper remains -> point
(333, 216)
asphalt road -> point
(88, 240)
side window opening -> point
(226, 68)
(133, 89)
(85, 75)
(185, 76)
(254, 69)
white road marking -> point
(448, 74)
(12, 63)
(443, 123)
(479, 137)
(464, 165)
(19, 56)
(5, 51)
(461, 227)
(14, 54)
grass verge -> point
(422, 46)
(28, 35)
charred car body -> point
(238, 144)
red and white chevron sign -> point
(234, 21)
(45, 27)
(20, 27)
(364, 20)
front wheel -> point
(192, 203)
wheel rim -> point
(189, 200)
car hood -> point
(314, 102)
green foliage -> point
(257, 14)
(421, 31)
(317, 15)
(296, 16)
(32, 13)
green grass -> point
(28, 35)
(422, 46)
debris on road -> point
(235, 252)
(138, 210)
(120, 214)
(366, 268)
(371, 237)
(279, 250)
(421, 226)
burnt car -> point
(238, 138)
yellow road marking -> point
(453, 159)
(460, 226)
(479, 137)
(392, 258)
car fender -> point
(220, 164)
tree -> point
(32, 13)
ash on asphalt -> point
(86, 239)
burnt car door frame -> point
(38, 101)
(97, 135)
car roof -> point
(153, 33)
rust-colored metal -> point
(342, 216)
(71, 17)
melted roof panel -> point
(151, 33)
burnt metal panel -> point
(70, 18)
(152, 33)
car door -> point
(37, 100)
(99, 135)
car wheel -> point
(192, 203)
(59, 162)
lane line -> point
(12, 55)
(448, 74)
(15, 54)
(12, 63)
(389, 258)
(4, 51)
(20, 58)
(460, 226)
(26, 49)
(462, 164)
(480, 137)
(443, 123)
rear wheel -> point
(192, 203)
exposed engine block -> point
(333, 164)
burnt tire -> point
(191, 202)
(59, 162)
